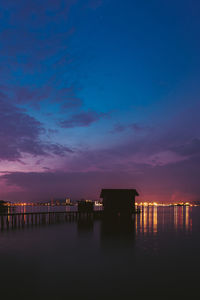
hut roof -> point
(114, 192)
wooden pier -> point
(21, 220)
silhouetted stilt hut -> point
(119, 201)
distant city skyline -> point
(99, 94)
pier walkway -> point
(20, 220)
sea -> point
(154, 255)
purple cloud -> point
(191, 148)
(38, 46)
(20, 133)
(118, 128)
(57, 149)
(133, 126)
(34, 97)
(67, 98)
(158, 183)
(82, 119)
(71, 103)
(94, 4)
(161, 166)
(60, 184)
(137, 127)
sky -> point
(99, 94)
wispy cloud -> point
(136, 127)
(82, 119)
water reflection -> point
(155, 219)
(146, 221)
(153, 254)
(85, 225)
(117, 232)
(150, 221)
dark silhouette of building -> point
(85, 206)
(118, 201)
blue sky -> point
(103, 86)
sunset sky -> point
(99, 94)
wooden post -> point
(22, 220)
(43, 219)
(2, 222)
(7, 222)
(18, 217)
(36, 219)
(12, 221)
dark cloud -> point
(71, 103)
(35, 37)
(161, 166)
(82, 119)
(94, 4)
(118, 128)
(67, 97)
(35, 9)
(136, 127)
(34, 97)
(191, 148)
(42, 186)
(20, 133)
(58, 149)
(158, 183)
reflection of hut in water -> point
(85, 206)
(119, 201)
(85, 225)
(117, 232)
(85, 219)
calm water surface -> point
(156, 255)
